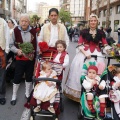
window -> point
(116, 23)
(118, 9)
(105, 12)
(110, 11)
(100, 14)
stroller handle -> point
(47, 79)
(93, 56)
(106, 57)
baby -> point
(94, 86)
(45, 90)
(115, 95)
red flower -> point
(43, 46)
(118, 45)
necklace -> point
(93, 32)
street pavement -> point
(9, 112)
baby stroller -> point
(111, 72)
(58, 105)
(83, 110)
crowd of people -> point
(55, 35)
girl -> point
(61, 55)
(46, 90)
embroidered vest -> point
(18, 39)
(62, 57)
(47, 32)
(2, 35)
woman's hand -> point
(88, 56)
(108, 51)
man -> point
(109, 31)
(53, 31)
(4, 48)
(119, 35)
(22, 34)
(71, 32)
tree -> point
(108, 13)
(65, 16)
(34, 19)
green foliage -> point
(34, 19)
(26, 47)
(64, 16)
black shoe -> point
(13, 102)
(2, 101)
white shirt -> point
(7, 36)
(53, 36)
(66, 59)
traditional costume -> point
(42, 90)
(114, 95)
(23, 63)
(91, 44)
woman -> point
(11, 24)
(88, 45)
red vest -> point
(18, 39)
(63, 54)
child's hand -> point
(117, 84)
(101, 87)
(49, 73)
(50, 84)
(94, 82)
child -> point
(61, 55)
(45, 90)
(115, 95)
(93, 86)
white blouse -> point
(66, 59)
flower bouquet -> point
(27, 49)
(115, 52)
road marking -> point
(25, 114)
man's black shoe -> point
(2, 101)
(13, 102)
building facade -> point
(114, 18)
(5, 9)
(43, 11)
(18, 7)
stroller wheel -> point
(79, 112)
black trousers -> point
(22, 67)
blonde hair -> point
(93, 15)
(45, 65)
